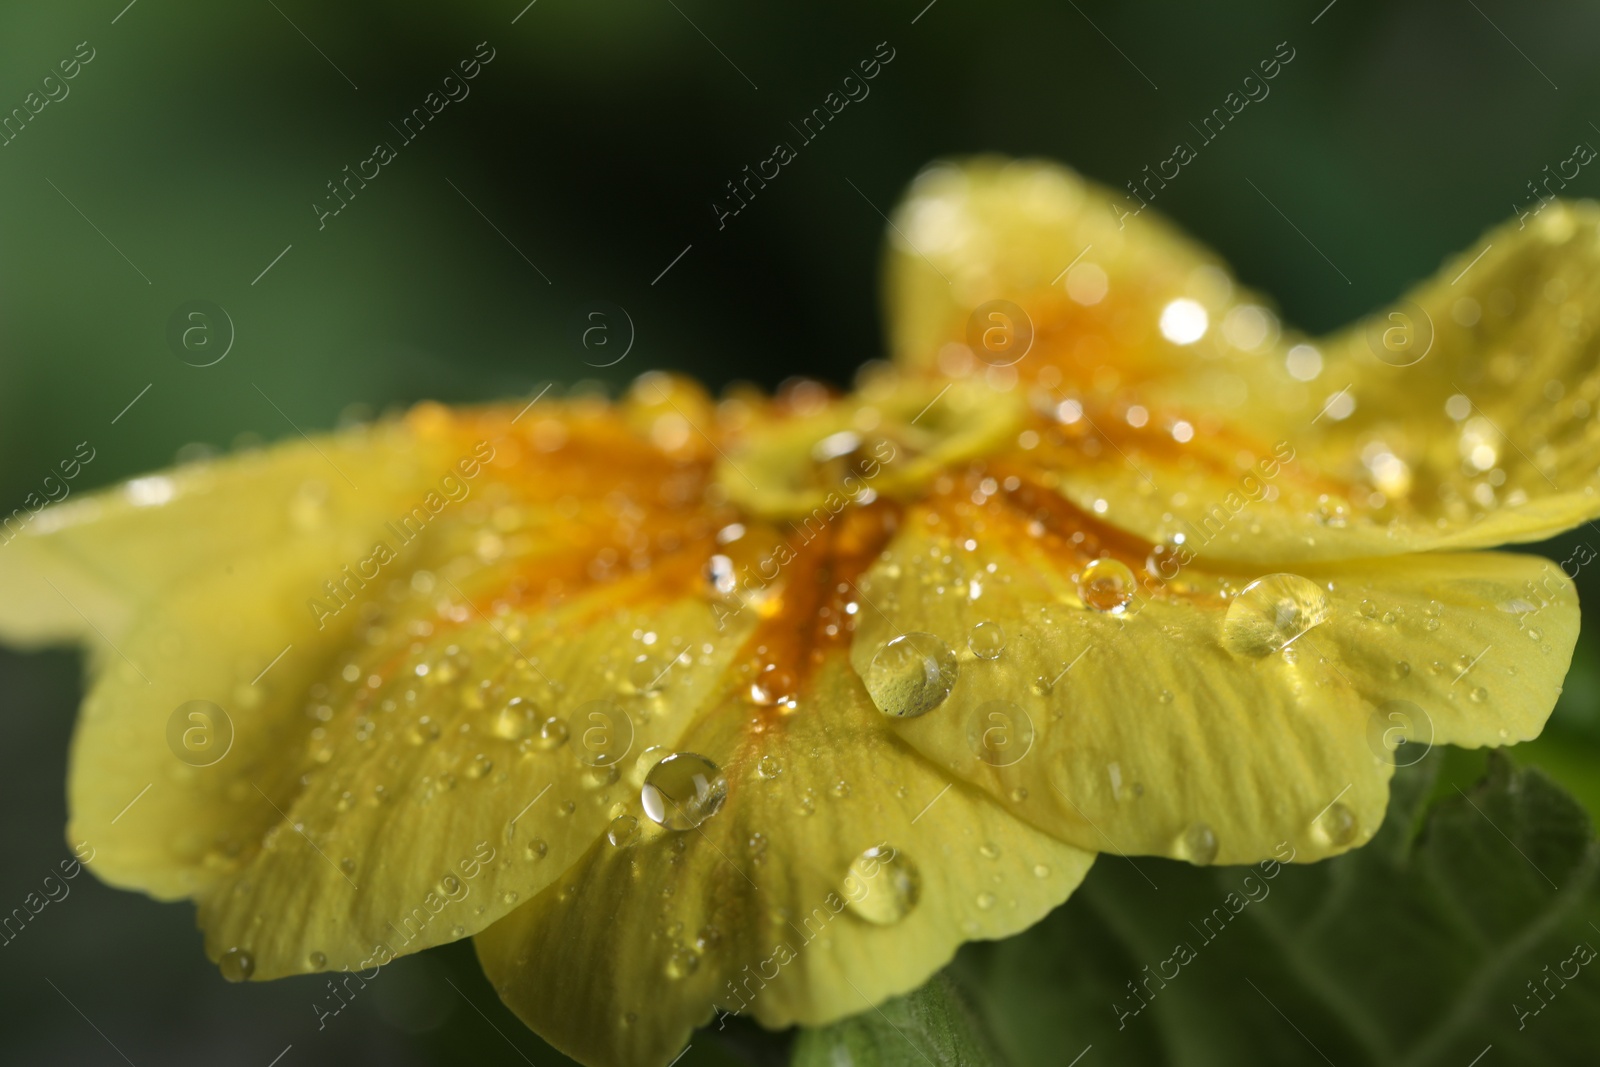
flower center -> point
(891, 443)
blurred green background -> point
(190, 150)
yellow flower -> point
(768, 704)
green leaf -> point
(1424, 947)
(933, 1026)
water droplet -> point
(647, 677)
(535, 849)
(987, 640)
(985, 901)
(841, 789)
(237, 965)
(1041, 871)
(682, 963)
(989, 850)
(1479, 695)
(480, 766)
(882, 885)
(623, 831)
(1197, 844)
(1336, 826)
(1271, 612)
(347, 865)
(720, 576)
(769, 767)
(552, 733)
(421, 731)
(805, 802)
(317, 960)
(514, 721)
(600, 777)
(509, 896)
(911, 675)
(683, 791)
(1107, 585)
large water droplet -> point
(237, 965)
(317, 960)
(1197, 844)
(911, 675)
(1107, 585)
(1336, 826)
(987, 640)
(683, 791)
(1271, 612)
(882, 885)
(514, 721)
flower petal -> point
(750, 910)
(360, 781)
(1171, 403)
(1207, 718)
(109, 555)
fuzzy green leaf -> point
(933, 1026)
(1467, 924)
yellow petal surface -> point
(1173, 402)
(1213, 717)
(403, 731)
(757, 909)
(88, 566)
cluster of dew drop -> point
(913, 674)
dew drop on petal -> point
(514, 721)
(882, 886)
(769, 767)
(480, 766)
(987, 640)
(535, 849)
(317, 960)
(683, 791)
(237, 965)
(1271, 612)
(985, 901)
(552, 733)
(682, 963)
(720, 576)
(422, 731)
(1107, 585)
(623, 830)
(1197, 844)
(911, 675)
(1336, 826)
